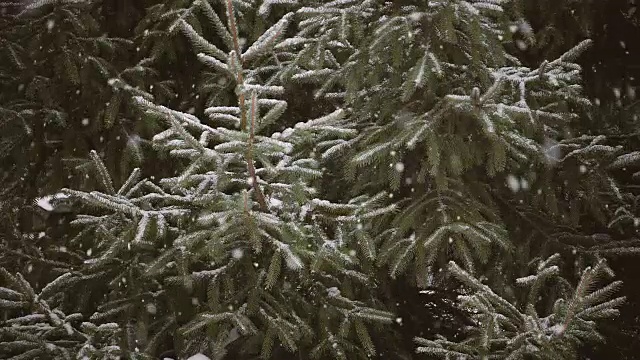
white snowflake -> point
(333, 291)
(616, 92)
(237, 254)
(151, 309)
(513, 183)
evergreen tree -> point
(54, 99)
(611, 78)
(57, 102)
(424, 151)
(52, 118)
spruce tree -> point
(424, 154)
(57, 103)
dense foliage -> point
(308, 180)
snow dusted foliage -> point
(241, 229)
(436, 147)
(43, 330)
(410, 113)
(433, 88)
(507, 330)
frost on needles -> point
(240, 231)
(284, 233)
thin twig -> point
(236, 47)
(251, 167)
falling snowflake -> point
(551, 150)
(151, 309)
(237, 254)
(513, 183)
(521, 45)
(616, 92)
(631, 92)
(415, 16)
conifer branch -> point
(236, 57)
(249, 155)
